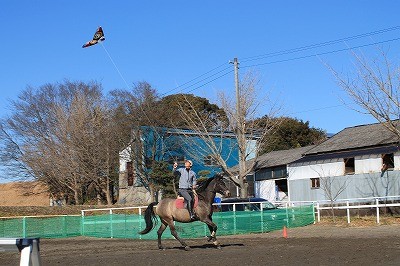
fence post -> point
(348, 211)
(111, 223)
(234, 218)
(82, 223)
(262, 217)
(313, 211)
(287, 216)
(24, 227)
(377, 211)
(140, 222)
(318, 213)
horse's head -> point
(220, 185)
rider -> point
(187, 184)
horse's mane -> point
(204, 184)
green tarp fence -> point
(128, 225)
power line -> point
(202, 75)
(230, 71)
(317, 109)
(183, 86)
(317, 45)
(284, 52)
(323, 53)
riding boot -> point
(190, 209)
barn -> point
(270, 174)
(358, 162)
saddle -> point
(180, 202)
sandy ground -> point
(23, 194)
(310, 245)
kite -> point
(98, 37)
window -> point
(280, 172)
(387, 161)
(349, 166)
(209, 160)
(129, 173)
(315, 183)
(271, 173)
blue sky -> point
(169, 43)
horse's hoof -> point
(187, 248)
(161, 247)
(209, 238)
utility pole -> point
(236, 68)
(240, 132)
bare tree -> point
(375, 88)
(240, 126)
(141, 109)
(60, 134)
(332, 186)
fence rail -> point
(349, 204)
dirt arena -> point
(310, 245)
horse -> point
(168, 212)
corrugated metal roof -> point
(348, 154)
(282, 157)
(357, 137)
(276, 158)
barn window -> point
(387, 161)
(315, 183)
(349, 166)
(129, 172)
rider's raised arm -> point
(175, 170)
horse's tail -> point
(150, 218)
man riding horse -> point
(187, 184)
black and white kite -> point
(98, 37)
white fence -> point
(111, 210)
(376, 203)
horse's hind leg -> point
(175, 234)
(160, 232)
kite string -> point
(127, 86)
(112, 61)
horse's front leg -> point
(213, 230)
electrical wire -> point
(280, 53)
(230, 71)
(186, 87)
(202, 75)
(323, 53)
(318, 45)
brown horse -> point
(168, 213)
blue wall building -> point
(172, 145)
